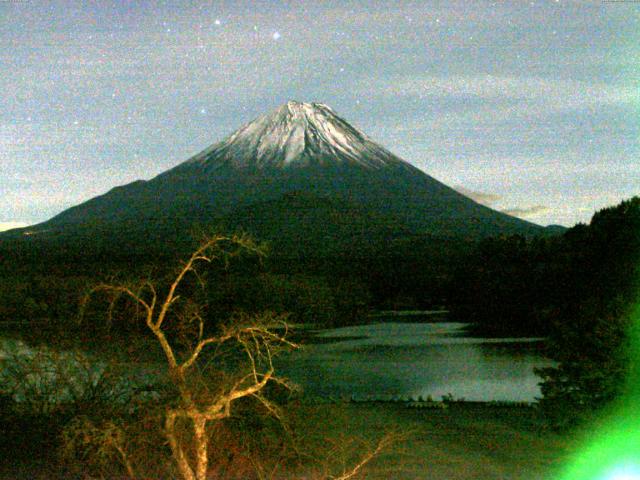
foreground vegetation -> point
(218, 408)
(578, 289)
(210, 409)
(463, 442)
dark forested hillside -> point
(579, 289)
(516, 285)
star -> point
(276, 35)
(203, 111)
(217, 21)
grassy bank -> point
(462, 442)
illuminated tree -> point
(206, 384)
(199, 403)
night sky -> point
(530, 107)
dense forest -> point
(531, 286)
(578, 289)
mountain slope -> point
(305, 224)
(299, 147)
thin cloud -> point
(552, 93)
(484, 198)
(527, 212)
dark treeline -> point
(41, 285)
(504, 286)
(514, 285)
(578, 289)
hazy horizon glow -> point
(528, 107)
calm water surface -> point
(401, 359)
(417, 359)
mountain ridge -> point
(298, 147)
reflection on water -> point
(414, 359)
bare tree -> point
(177, 323)
(198, 405)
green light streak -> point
(611, 449)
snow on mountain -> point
(294, 135)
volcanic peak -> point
(293, 135)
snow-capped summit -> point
(296, 134)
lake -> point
(393, 359)
(416, 360)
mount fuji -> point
(300, 176)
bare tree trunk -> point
(176, 449)
(202, 441)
